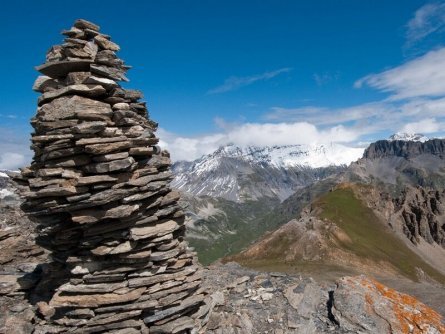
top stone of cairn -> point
(85, 49)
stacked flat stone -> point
(99, 191)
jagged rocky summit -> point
(405, 148)
(98, 189)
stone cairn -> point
(99, 192)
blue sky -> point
(248, 72)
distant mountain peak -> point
(408, 137)
(284, 156)
(239, 173)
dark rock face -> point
(423, 214)
(405, 149)
(395, 164)
(98, 190)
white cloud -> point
(14, 148)
(256, 134)
(421, 77)
(427, 19)
(327, 116)
(12, 161)
(287, 134)
(424, 108)
(189, 148)
(273, 134)
(234, 82)
(425, 126)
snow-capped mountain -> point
(248, 173)
(408, 137)
(312, 156)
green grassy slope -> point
(371, 239)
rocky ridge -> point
(341, 233)
(98, 190)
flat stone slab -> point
(67, 107)
(84, 24)
(95, 300)
(59, 69)
(80, 89)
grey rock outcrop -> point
(405, 149)
(422, 212)
(98, 190)
(395, 164)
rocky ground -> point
(247, 301)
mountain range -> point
(241, 174)
(236, 196)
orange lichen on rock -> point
(411, 315)
(414, 316)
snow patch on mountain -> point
(5, 193)
(408, 137)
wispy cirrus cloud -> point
(418, 115)
(428, 125)
(324, 78)
(421, 77)
(416, 101)
(10, 116)
(325, 116)
(427, 20)
(234, 82)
